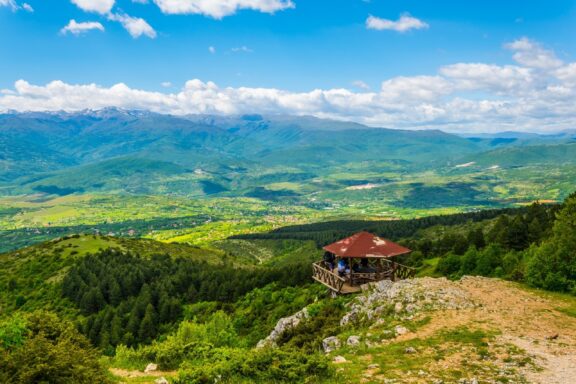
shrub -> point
(52, 351)
(265, 365)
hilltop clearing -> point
(475, 330)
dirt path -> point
(524, 319)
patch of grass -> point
(563, 302)
(446, 355)
(428, 268)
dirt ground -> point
(525, 319)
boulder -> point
(161, 380)
(330, 344)
(410, 350)
(349, 318)
(353, 341)
(151, 368)
(400, 330)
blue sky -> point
(302, 46)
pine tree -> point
(147, 329)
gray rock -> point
(410, 350)
(350, 317)
(411, 308)
(400, 330)
(161, 380)
(353, 341)
(330, 344)
(151, 368)
(282, 326)
(406, 297)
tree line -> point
(328, 232)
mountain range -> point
(145, 152)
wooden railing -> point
(359, 278)
(387, 270)
(325, 276)
(403, 272)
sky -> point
(460, 66)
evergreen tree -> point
(476, 238)
(468, 265)
(147, 329)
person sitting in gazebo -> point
(343, 267)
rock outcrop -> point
(405, 297)
(330, 344)
(282, 326)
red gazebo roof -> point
(365, 244)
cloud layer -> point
(98, 6)
(537, 93)
(404, 24)
(221, 8)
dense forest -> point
(128, 299)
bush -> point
(265, 365)
(449, 265)
(52, 351)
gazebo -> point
(359, 259)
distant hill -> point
(549, 154)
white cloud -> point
(13, 5)
(462, 97)
(135, 26)
(221, 8)
(98, 6)
(212, 49)
(531, 54)
(243, 48)
(9, 3)
(166, 84)
(415, 88)
(404, 24)
(567, 74)
(487, 77)
(76, 28)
